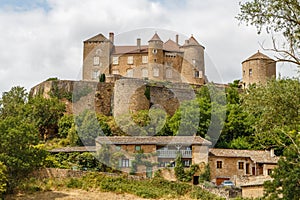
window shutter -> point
(130, 163)
(120, 162)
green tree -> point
(275, 109)
(286, 184)
(45, 113)
(281, 16)
(3, 178)
(88, 127)
(13, 101)
(64, 124)
(18, 148)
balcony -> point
(173, 153)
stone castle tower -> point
(159, 61)
(258, 69)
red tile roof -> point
(257, 156)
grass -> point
(149, 188)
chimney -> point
(177, 39)
(111, 37)
(138, 43)
(272, 153)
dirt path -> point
(76, 195)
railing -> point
(174, 153)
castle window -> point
(129, 73)
(130, 60)
(169, 73)
(144, 73)
(197, 74)
(219, 164)
(241, 165)
(96, 60)
(115, 71)
(154, 51)
(250, 72)
(115, 60)
(98, 52)
(95, 74)
(144, 59)
(155, 72)
(194, 62)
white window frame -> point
(156, 72)
(95, 74)
(145, 73)
(96, 61)
(130, 60)
(125, 162)
(115, 60)
(144, 59)
(169, 73)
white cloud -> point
(38, 44)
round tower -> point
(193, 69)
(257, 69)
(155, 50)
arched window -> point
(169, 73)
(145, 73)
(155, 72)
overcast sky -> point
(44, 38)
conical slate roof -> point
(155, 38)
(258, 56)
(97, 38)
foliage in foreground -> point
(150, 188)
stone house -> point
(233, 164)
(158, 60)
(160, 152)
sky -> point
(40, 39)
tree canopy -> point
(281, 16)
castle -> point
(158, 61)
(162, 61)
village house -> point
(233, 164)
(161, 151)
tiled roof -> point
(74, 149)
(170, 45)
(256, 156)
(130, 49)
(155, 38)
(158, 140)
(258, 56)
(191, 42)
(97, 38)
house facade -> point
(158, 152)
(233, 164)
(158, 60)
